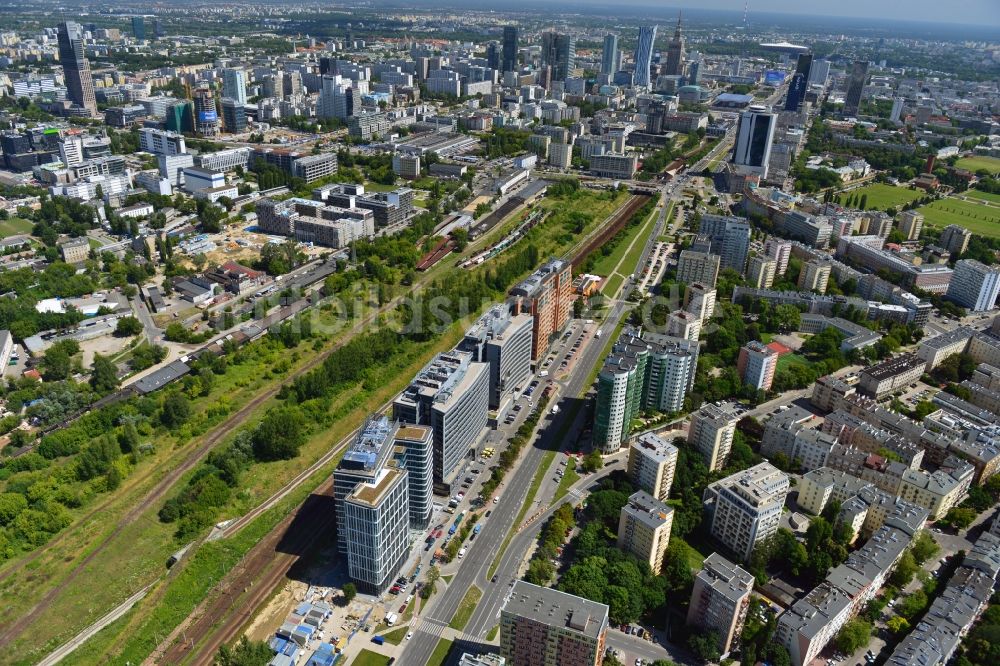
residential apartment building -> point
(711, 434)
(316, 222)
(720, 599)
(730, 238)
(814, 276)
(955, 239)
(651, 464)
(699, 300)
(780, 251)
(756, 365)
(880, 381)
(683, 324)
(936, 349)
(547, 295)
(700, 267)
(540, 626)
(910, 224)
(744, 509)
(644, 529)
(761, 272)
(974, 285)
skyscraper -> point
(610, 56)
(206, 117)
(644, 54)
(675, 52)
(856, 86)
(234, 85)
(559, 53)
(819, 73)
(753, 141)
(493, 56)
(139, 28)
(234, 116)
(800, 83)
(509, 49)
(76, 69)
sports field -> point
(981, 219)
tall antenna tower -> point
(746, 16)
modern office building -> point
(139, 28)
(644, 55)
(910, 224)
(974, 285)
(699, 300)
(451, 395)
(559, 53)
(711, 434)
(643, 371)
(744, 509)
(819, 72)
(540, 626)
(547, 295)
(644, 529)
(856, 86)
(502, 340)
(675, 52)
(234, 85)
(611, 59)
(76, 69)
(618, 166)
(509, 62)
(652, 461)
(720, 599)
(800, 82)
(815, 276)
(730, 237)
(234, 117)
(955, 239)
(375, 529)
(754, 137)
(700, 267)
(756, 365)
(206, 117)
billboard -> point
(207, 116)
(774, 77)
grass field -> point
(566, 482)
(612, 285)
(881, 196)
(396, 636)
(440, 654)
(368, 658)
(13, 226)
(466, 608)
(788, 360)
(493, 632)
(606, 264)
(991, 164)
(982, 196)
(978, 218)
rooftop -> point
(557, 609)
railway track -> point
(617, 223)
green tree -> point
(705, 645)
(103, 374)
(853, 635)
(592, 461)
(128, 326)
(279, 435)
(57, 363)
(245, 653)
(898, 625)
(905, 570)
(176, 410)
(350, 591)
(11, 506)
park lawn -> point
(982, 196)
(372, 186)
(991, 164)
(368, 658)
(882, 196)
(978, 218)
(466, 608)
(15, 225)
(788, 360)
(612, 285)
(493, 633)
(630, 264)
(440, 654)
(396, 636)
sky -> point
(968, 12)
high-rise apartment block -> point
(503, 341)
(644, 55)
(699, 300)
(451, 396)
(683, 324)
(756, 365)
(700, 267)
(540, 626)
(744, 509)
(644, 529)
(761, 271)
(651, 464)
(159, 142)
(910, 224)
(643, 371)
(76, 69)
(711, 434)
(720, 599)
(781, 251)
(815, 276)
(730, 238)
(547, 295)
(754, 137)
(955, 239)
(974, 285)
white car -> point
(409, 635)
(496, 499)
